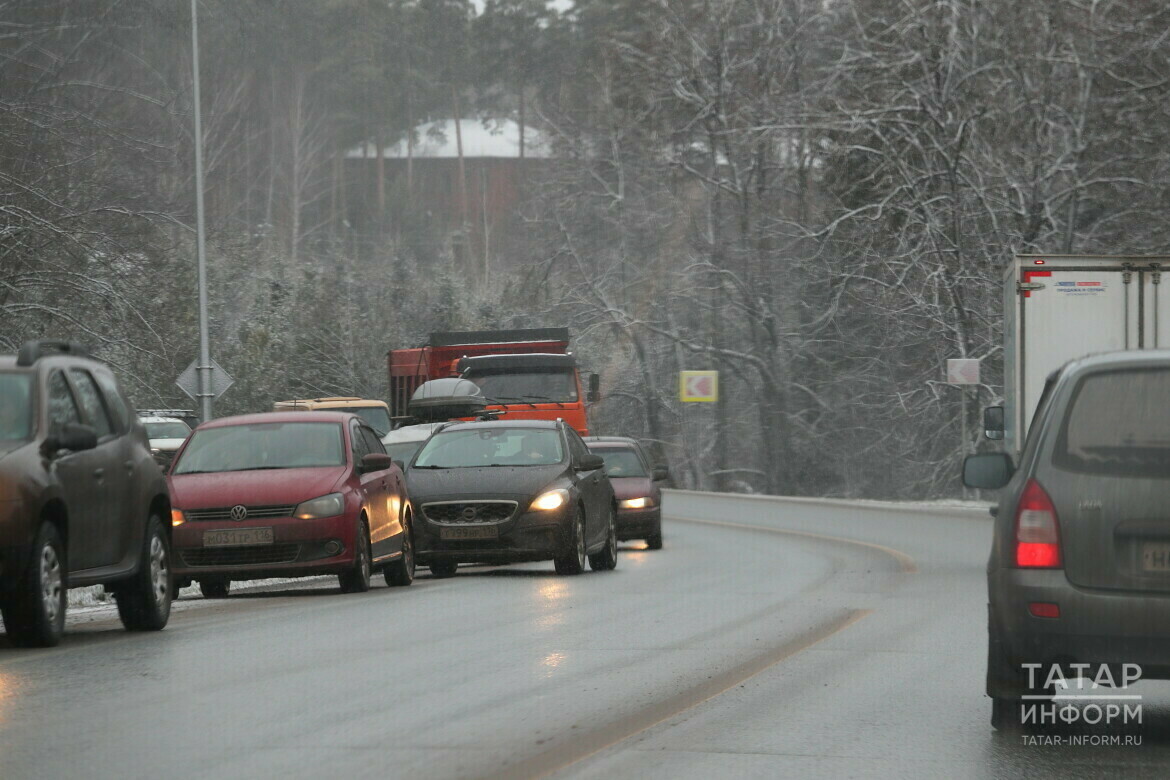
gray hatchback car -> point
(1079, 575)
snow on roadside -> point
(96, 595)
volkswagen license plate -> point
(474, 532)
(1156, 556)
(235, 537)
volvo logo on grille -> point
(469, 513)
(239, 512)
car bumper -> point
(530, 537)
(1095, 626)
(638, 523)
(299, 549)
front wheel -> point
(215, 588)
(401, 571)
(34, 614)
(573, 561)
(144, 601)
(357, 579)
(440, 569)
(606, 558)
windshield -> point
(166, 430)
(403, 451)
(621, 462)
(374, 416)
(534, 386)
(263, 446)
(15, 407)
(492, 447)
(1116, 424)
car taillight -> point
(1037, 530)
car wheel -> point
(606, 558)
(144, 601)
(401, 571)
(1007, 683)
(654, 541)
(215, 588)
(573, 561)
(443, 568)
(34, 613)
(357, 579)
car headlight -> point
(155, 450)
(325, 506)
(553, 499)
(636, 503)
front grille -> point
(485, 511)
(225, 513)
(246, 555)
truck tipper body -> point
(524, 373)
(1061, 307)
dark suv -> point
(81, 500)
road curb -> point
(937, 510)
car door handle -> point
(99, 473)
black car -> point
(82, 501)
(1079, 574)
(506, 492)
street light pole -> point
(203, 370)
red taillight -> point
(1037, 530)
(1044, 609)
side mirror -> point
(660, 473)
(376, 461)
(590, 463)
(72, 436)
(989, 471)
(594, 394)
(993, 422)
(400, 464)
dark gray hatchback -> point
(1079, 574)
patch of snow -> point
(481, 138)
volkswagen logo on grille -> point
(469, 513)
(239, 512)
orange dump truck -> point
(529, 373)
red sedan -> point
(292, 494)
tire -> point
(654, 541)
(606, 558)
(215, 588)
(573, 561)
(34, 613)
(443, 569)
(357, 579)
(1007, 683)
(401, 572)
(144, 601)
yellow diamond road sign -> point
(698, 386)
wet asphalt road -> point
(769, 639)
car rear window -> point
(167, 430)
(261, 446)
(15, 407)
(1117, 424)
(621, 462)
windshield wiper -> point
(432, 467)
(507, 398)
(543, 399)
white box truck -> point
(1061, 307)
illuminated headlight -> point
(636, 503)
(177, 517)
(155, 450)
(325, 506)
(553, 499)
